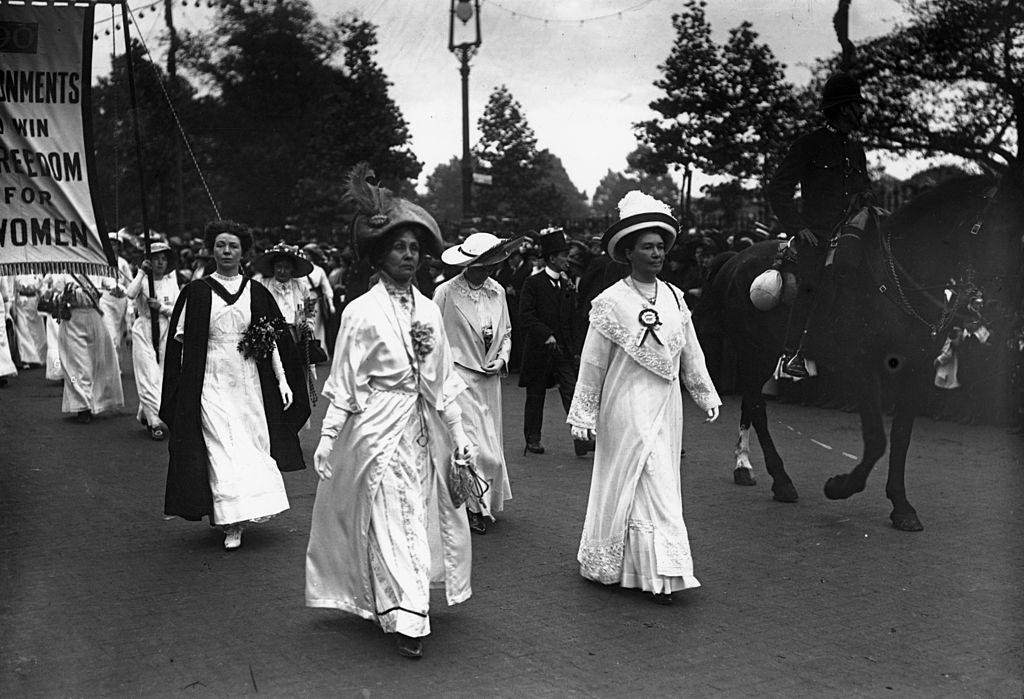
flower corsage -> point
(422, 335)
(259, 338)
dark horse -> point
(887, 320)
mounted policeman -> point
(830, 166)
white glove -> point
(286, 393)
(712, 414)
(583, 434)
(321, 462)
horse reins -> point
(964, 289)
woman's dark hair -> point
(239, 230)
(377, 249)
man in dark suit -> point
(547, 306)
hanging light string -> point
(581, 20)
(174, 113)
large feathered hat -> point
(638, 212)
(378, 212)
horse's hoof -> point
(743, 476)
(785, 492)
(838, 487)
(906, 522)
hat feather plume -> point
(370, 199)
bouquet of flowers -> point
(259, 338)
(422, 335)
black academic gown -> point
(188, 493)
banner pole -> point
(154, 318)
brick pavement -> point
(101, 595)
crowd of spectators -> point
(991, 374)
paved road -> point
(101, 595)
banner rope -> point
(174, 113)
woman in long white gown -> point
(385, 528)
(148, 366)
(476, 320)
(7, 368)
(29, 325)
(233, 417)
(92, 375)
(640, 346)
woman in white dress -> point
(233, 396)
(29, 325)
(476, 320)
(385, 528)
(640, 346)
(148, 366)
(7, 368)
(88, 360)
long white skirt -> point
(400, 558)
(244, 478)
(92, 377)
(148, 371)
(30, 330)
(481, 417)
(54, 371)
(7, 367)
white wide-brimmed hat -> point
(637, 212)
(479, 250)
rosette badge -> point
(650, 321)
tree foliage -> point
(615, 185)
(726, 109)
(288, 121)
(529, 186)
(948, 81)
(114, 142)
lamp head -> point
(464, 10)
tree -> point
(358, 122)
(949, 81)
(444, 191)
(509, 147)
(290, 122)
(528, 186)
(615, 185)
(683, 134)
(114, 139)
(726, 110)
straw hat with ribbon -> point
(264, 264)
(162, 248)
(480, 250)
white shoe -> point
(232, 536)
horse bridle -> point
(966, 293)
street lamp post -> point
(465, 10)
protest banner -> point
(50, 220)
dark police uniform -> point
(831, 168)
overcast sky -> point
(581, 79)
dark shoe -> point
(409, 647)
(663, 598)
(533, 448)
(84, 417)
(477, 522)
(795, 367)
